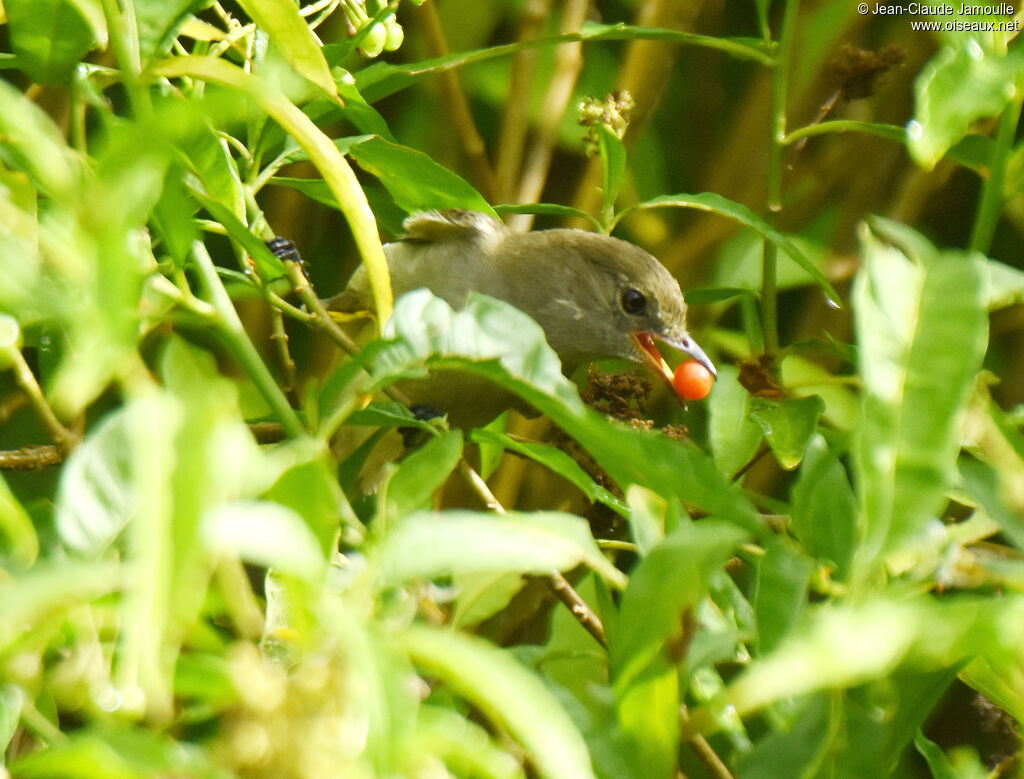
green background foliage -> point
(228, 549)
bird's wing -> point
(452, 225)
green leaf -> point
(613, 169)
(429, 545)
(11, 698)
(716, 204)
(845, 646)
(942, 767)
(50, 590)
(981, 482)
(558, 461)
(98, 491)
(492, 451)
(289, 31)
(415, 181)
(716, 295)
(492, 339)
(422, 473)
(974, 152)
(306, 483)
(923, 330)
(824, 508)
(648, 513)
(482, 595)
(20, 543)
(548, 209)
(266, 534)
(840, 733)
(787, 425)
(669, 580)
(960, 85)
(159, 22)
(780, 592)
(49, 37)
(464, 746)
(112, 752)
(733, 436)
(506, 693)
(664, 587)
(412, 178)
(1005, 285)
(267, 265)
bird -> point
(595, 296)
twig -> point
(577, 607)
(568, 63)
(321, 316)
(558, 583)
(455, 100)
(31, 458)
(715, 765)
(280, 338)
(232, 330)
(323, 319)
(516, 118)
(61, 436)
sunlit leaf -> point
(923, 330)
(266, 534)
(50, 590)
(613, 168)
(662, 587)
(849, 645)
(960, 85)
(422, 473)
(49, 37)
(289, 31)
(465, 746)
(733, 436)
(507, 693)
(11, 698)
(427, 545)
(787, 425)
(159, 21)
(20, 543)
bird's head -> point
(603, 297)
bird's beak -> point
(685, 344)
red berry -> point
(692, 380)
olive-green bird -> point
(595, 296)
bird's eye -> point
(634, 302)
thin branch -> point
(715, 765)
(558, 583)
(577, 607)
(568, 64)
(515, 119)
(456, 102)
(231, 328)
(61, 436)
(31, 458)
(280, 338)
